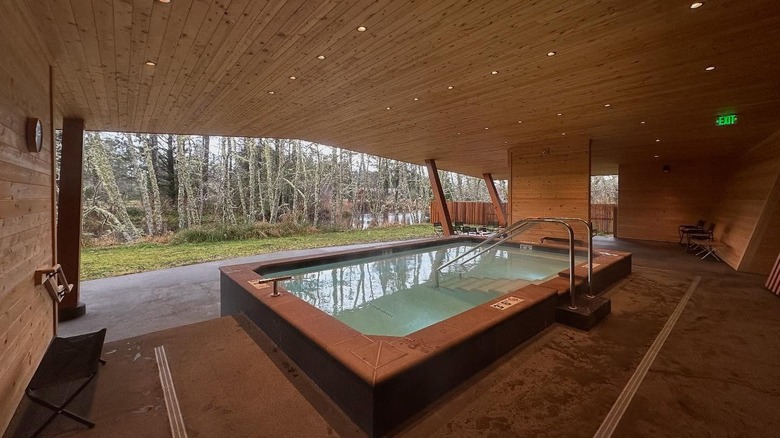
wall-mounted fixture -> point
(34, 134)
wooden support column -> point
(69, 214)
(491, 187)
(438, 197)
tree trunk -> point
(142, 184)
(242, 195)
(252, 170)
(150, 168)
(204, 175)
(181, 198)
(173, 183)
(99, 159)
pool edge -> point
(370, 377)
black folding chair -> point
(695, 237)
(457, 227)
(67, 360)
(688, 229)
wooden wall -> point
(739, 194)
(765, 244)
(747, 209)
(551, 179)
(653, 203)
(26, 311)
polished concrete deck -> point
(718, 374)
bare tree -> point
(98, 157)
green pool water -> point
(395, 294)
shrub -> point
(258, 230)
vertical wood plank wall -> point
(652, 203)
(747, 209)
(550, 180)
(26, 311)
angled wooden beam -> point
(69, 214)
(491, 187)
(438, 197)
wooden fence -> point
(603, 217)
(474, 213)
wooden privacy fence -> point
(603, 218)
(475, 213)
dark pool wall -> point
(381, 402)
(352, 394)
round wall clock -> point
(34, 134)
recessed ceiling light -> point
(459, 133)
(563, 133)
(550, 53)
(657, 140)
(165, 1)
(361, 29)
(321, 57)
(494, 72)
(519, 121)
(696, 5)
(387, 108)
(656, 156)
(416, 98)
(642, 122)
(606, 105)
(292, 78)
(152, 63)
(486, 129)
(450, 87)
(506, 142)
(710, 68)
(560, 114)
(271, 92)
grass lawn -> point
(127, 259)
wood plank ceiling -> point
(226, 67)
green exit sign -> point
(728, 119)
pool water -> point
(395, 294)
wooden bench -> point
(67, 360)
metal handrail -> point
(589, 226)
(273, 281)
(517, 228)
(506, 237)
(507, 230)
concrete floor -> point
(135, 304)
(718, 374)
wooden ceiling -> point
(385, 90)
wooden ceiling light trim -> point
(350, 78)
(216, 62)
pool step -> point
(483, 284)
